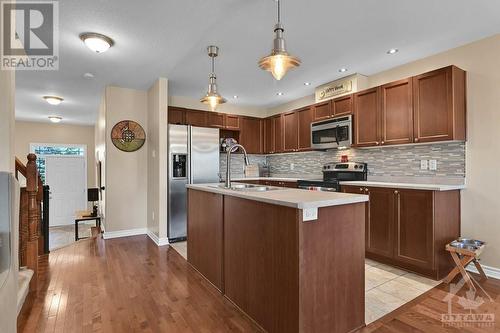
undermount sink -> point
(249, 187)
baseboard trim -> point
(491, 272)
(124, 233)
(156, 240)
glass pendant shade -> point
(279, 62)
(212, 98)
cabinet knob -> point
(366, 189)
(377, 143)
(396, 192)
(383, 142)
(361, 189)
(416, 140)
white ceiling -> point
(168, 38)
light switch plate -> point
(424, 164)
(309, 214)
(292, 166)
(433, 165)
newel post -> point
(33, 219)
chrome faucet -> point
(232, 149)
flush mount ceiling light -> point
(343, 70)
(279, 93)
(235, 96)
(55, 119)
(97, 42)
(392, 51)
(307, 83)
(53, 100)
(212, 97)
(279, 61)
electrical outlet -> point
(309, 214)
(424, 164)
(292, 166)
(153, 153)
(153, 215)
(433, 165)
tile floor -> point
(386, 287)
(65, 235)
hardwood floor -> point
(126, 285)
(131, 285)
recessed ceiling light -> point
(392, 51)
(88, 75)
(53, 100)
(235, 96)
(55, 119)
(307, 83)
(342, 70)
(97, 42)
(279, 93)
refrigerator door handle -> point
(189, 146)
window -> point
(42, 150)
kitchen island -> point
(292, 260)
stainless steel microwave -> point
(332, 133)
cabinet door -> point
(176, 116)
(342, 106)
(290, 131)
(196, 118)
(250, 135)
(232, 122)
(215, 120)
(380, 226)
(433, 105)
(397, 113)
(322, 111)
(268, 136)
(414, 228)
(366, 118)
(305, 119)
(278, 134)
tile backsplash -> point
(400, 161)
(386, 161)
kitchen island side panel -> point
(204, 232)
(332, 270)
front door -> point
(66, 177)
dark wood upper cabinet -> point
(397, 113)
(342, 106)
(232, 122)
(414, 228)
(380, 232)
(196, 118)
(290, 131)
(278, 133)
(251, 134)
(176, 115)
(322, 111)
(439, 105)
(268, 136)
(215, 119)
(305, 116)
(367, 118)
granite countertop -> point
(283, 178)
(295, 198)
(410, 186)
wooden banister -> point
(20, 168)
(33, 219)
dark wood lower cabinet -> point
(287, 275)
(410, 228)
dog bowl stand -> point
(462, 258)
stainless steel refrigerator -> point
(193, 159)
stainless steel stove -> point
(333, 173)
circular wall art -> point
(127, 135)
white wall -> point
(157, 160)
(126, 173)
(8, 292)
(37, 132)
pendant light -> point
(212, 97)
(279, 61)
